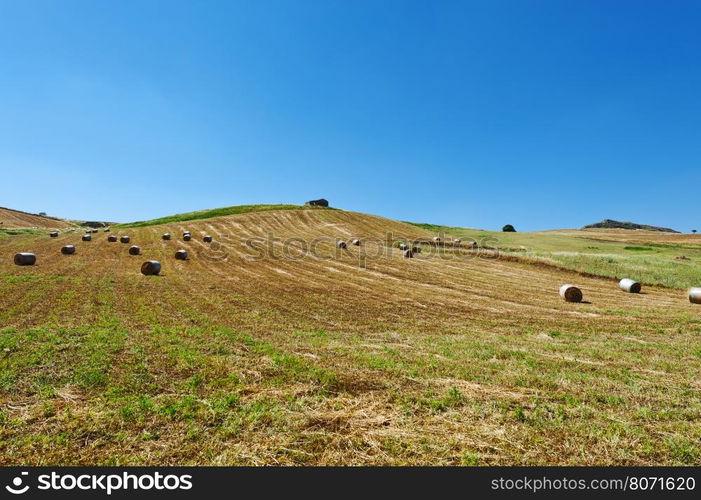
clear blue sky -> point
(542, 114)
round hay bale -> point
(436, 239)
(403, 246)
(134, 250)
(166, 236)
(112, 238)
(630, 286)
(207, 239)
(457, 241)
(25, 259)
(181, 255)
(571, 293)
(187, 237)
(416, 249)
(695, 295)
(356, 242)
(94, 231)
(107, 230)
(408, 254)
(86, 237)
(341, 244)
(68, 250)
(472, 244)
(54, 234)
(151, 267)
(125, 239)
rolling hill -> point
(10, 218)
(273, 346)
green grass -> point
(216, 212)
(19, 231)
(654, 263)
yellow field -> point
(246, 356)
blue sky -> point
(542, 114)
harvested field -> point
(289, 350)
(15, 218)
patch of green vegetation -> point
(15, 231)
(654, 263)
(217, 212)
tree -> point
(508, 229)
(43, 214)
(693, 230)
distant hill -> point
(10, 218)
(615, 224)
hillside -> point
(10, 218)
(217, 212)
(273, 346)
(654, 257)
(615, 224)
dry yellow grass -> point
(15, 218)
(333, 357)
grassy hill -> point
(217, 212)
(273, 346)
(651, 257)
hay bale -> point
(107, 230)
(181, 255)
(457, 241)
(341, 244)
(207, 239)
(112, 238)
(630, 286)
(166, 236)
(571, 293)
(54, 234)
(408, 254)
(151, 268)
(355, 242)
(403, 246)
(472, 244)
(125, 239)
(695, 295)
(86, 237)
(187, 232)
(25, 259)
(134, 250)
(416, 249)
(94, 231)
(436, 239)
(68, 250)
(187, 237)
